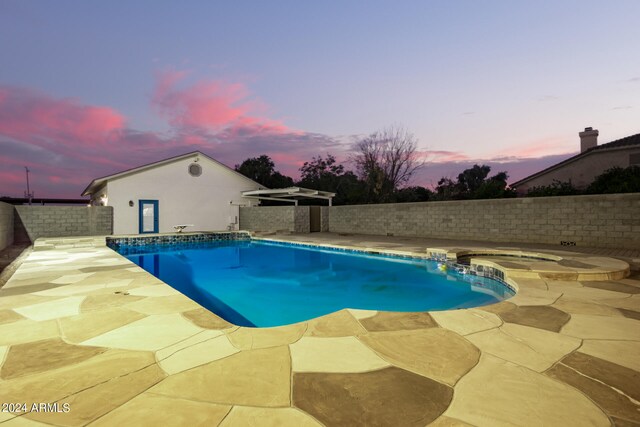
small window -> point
(195, 169)
(634, 159)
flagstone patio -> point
(81, 325)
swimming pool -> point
(260, 283)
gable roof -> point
(98, 182)
(627, 141)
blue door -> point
(148, 216)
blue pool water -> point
(260, 284)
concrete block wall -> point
(598, 220)
(324, 218)
(302, 219)
(6, 225)
(267, 218)
(294, 219)
(63, 221)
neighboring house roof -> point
(98, 182)
(628, 141)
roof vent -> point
(195, 169)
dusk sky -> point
(91, 88)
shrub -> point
(556, 188)
(616, 180)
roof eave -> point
(96, 183)
(91, 187)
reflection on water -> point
(261, 284)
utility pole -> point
(28, 194)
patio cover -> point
(289, 194)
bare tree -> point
(386, 160)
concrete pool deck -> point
(83, 326)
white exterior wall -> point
(96, 198)
(182, 199)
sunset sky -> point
(91, 88)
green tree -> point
(473, 183)
(495, 188)
(262, 170)
(616, 180)
(470, 180)
(321, 174)
(413, 194)
(448, 189)
(326, 174)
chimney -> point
(588, 139)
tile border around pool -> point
(176, 238)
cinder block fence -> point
(611, 220)
(27, 223)
(6, 225)
(597, 220)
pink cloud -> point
(29, 115)
(289, 163)
(441, 156)
(290, 158)
(66, 143)
(211, 105)
(539, 148)
(11, 178)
